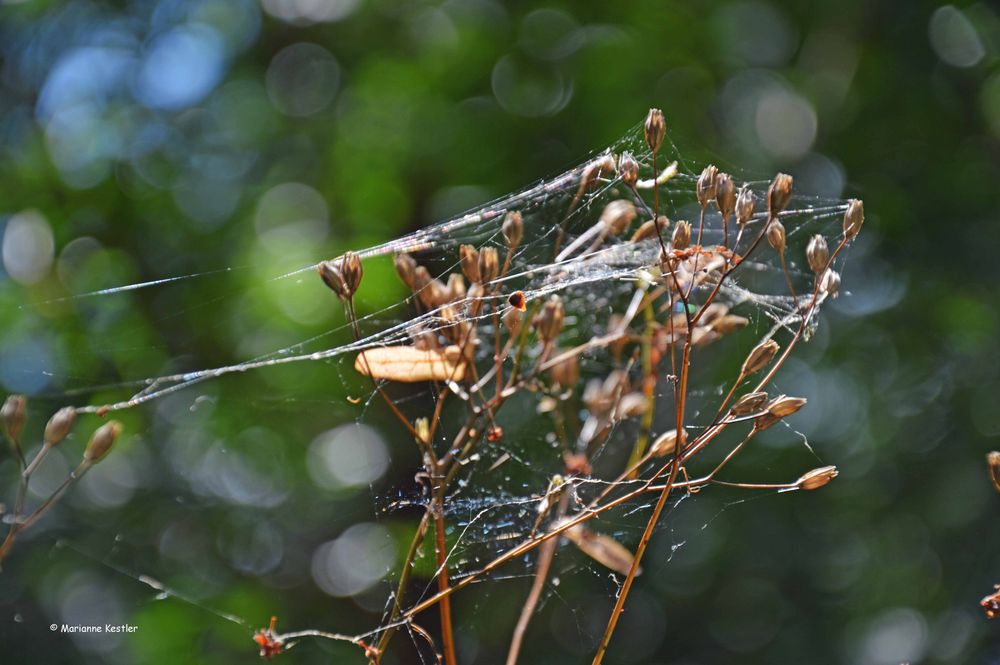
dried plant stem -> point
(447, 630)
(404, 582)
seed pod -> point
(817, 478)
(993, 464)
(853, 218)
(649, 230)
(353, 271)
(628, 169)
(744, 205)
(331, 275)
(783, 406)
(59, 425)
(518, 301)
(605, 550)
(725, 194)
(666, 443)
(730, 323)
(764, 421)
(14, 414)
(489, 264)
(549, 322)
(760, 357)
(513, 229)
(817, 253)
(779, 194)
(654, 129)
(469, 258)
(776, 235)
(617, 216)
(831, 283)
(433, 293)
(749, 403)
(101, 441)
(682, 235)
(513, 318)
(406, 269)
(603, 165)
(456, 287)
(706, 185)
(566, 373)
(631, 405)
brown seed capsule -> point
(817, 253)
(456, 287)
(749, 403)
(682, 235)
(469, 258)
(745, 203)
(649, 230)
(764, 421)
(603, 165)
(549, 322)
(617, 216)
(513, 318)
(433, 293)
(101, 441)
(628, 169)
(518, 301)
(489, 264)
(654, 129)
(779, 194)
(59, 425)
(725, 194)
(406, 269)
(831, 283)
(776, 235)
(666, 443)
(566, 373)
(513, 229)
(353, 271)
(730, 323)
(631, 405)
(760, 357)
(14, 414)
(853, 218)
(333, 278)
(706, 185)
(783, 406)
(817, 478)
(993, 464)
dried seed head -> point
(101, 441)
(706, 185)
(618, 215)
(406, 269)
(830, 284)
(730, 323)
(817, 253)
(745, 203)
(749, 403)
(489, 264)
(603, 165)
(776, 235)
(993, 464)
(817, 478)
(518, 301)
(783, 406)
(513, 229)
(631, 405)
(59, 425)
(654, 129)
(13, 414)
(513, 318)
(682, 235)
(333, 278)
(760, 357)
(566, 373)
(779, 194)
(469, 258)
(628, 169)
(764, 421)
(353, 271)
(456, 287)
(649, 230)
(433, 293)
(853, 218)
(666, 443)
(725, 194)
(549, 322)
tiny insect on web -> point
(550, 351)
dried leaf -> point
(605, 550)
(409, 364)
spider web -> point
(502, 493)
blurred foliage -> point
(153, 139)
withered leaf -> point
(409, 364)
(603, 549)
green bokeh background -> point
(148, 138)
